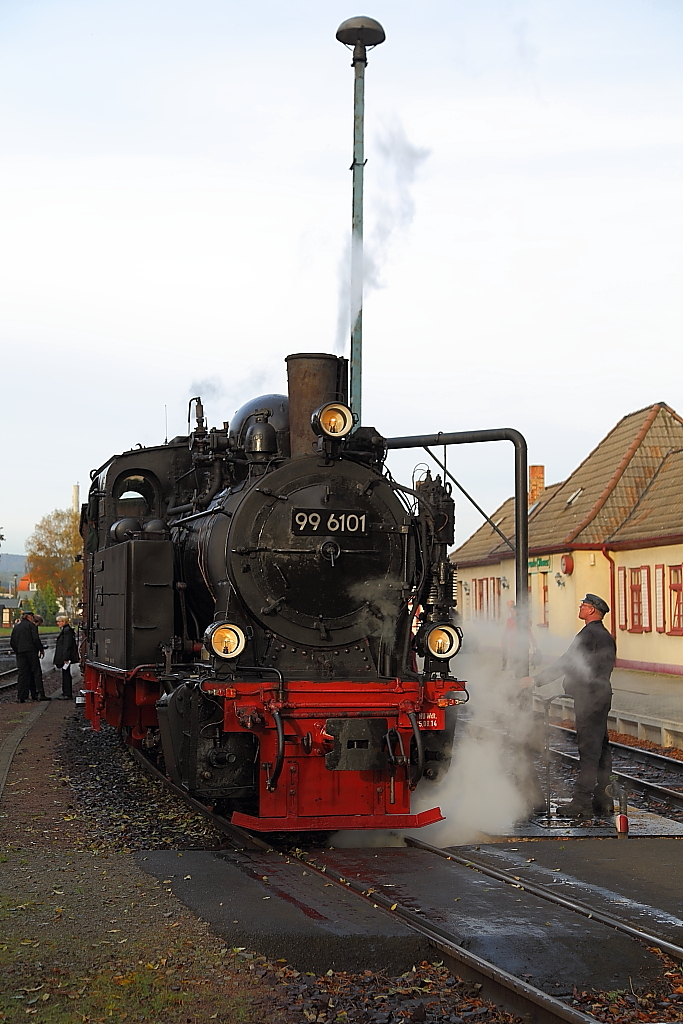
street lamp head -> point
(365, 31)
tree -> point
(45, 603)
(51, 552)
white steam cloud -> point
(488, 787)
(398, 165)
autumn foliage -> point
(51, 552)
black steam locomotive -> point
(269, 614)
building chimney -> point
(536, 483)
(76, 498)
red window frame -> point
(635, 600)
(675, 600)
(544, 600)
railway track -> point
(668, 772)
(666, 791)
(512, 993)
(8, 677)
(6, 650)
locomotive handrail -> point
(521, 515)
(280, 757)
(419, 744)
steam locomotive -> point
(269, 614)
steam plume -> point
(398, 165)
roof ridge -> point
(602, 441)
(641, 499)
(621, 468)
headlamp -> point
(224, 639)
(332, 420)
(442, 641)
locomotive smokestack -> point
(313, 378)
(360, 33)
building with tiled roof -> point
(614, 527)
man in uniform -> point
(587, 667)
(28, 649)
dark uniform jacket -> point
(66, 648)
(25, 638)
(587, 664)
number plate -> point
(431, 720)
(308, 522)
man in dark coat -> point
(28, 649)
(587, 667)
(66, 652)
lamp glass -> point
(227, 641)
(335, 420)
(443, 642)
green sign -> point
(539, 564)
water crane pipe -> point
(359, 33)
(521, 516)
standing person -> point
(587, 668)
(66, 651)
(28, 649)
(38, 691)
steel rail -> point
(13, 671)
(512, 991)
(661, 793)
(547, 894)
(637, 753)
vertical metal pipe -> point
(358, 33)
(522, 559)
(359, 62)
(521, 517)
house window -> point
(481, 597)
(544, 598)
(676, 600)
(636, 601)
(639, 600)
(494, 597)
(487, 597)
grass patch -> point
(7, 630)
(152, 992)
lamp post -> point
(360, 33)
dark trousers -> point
(66, 682)
(591, 710)
(30, 676)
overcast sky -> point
(175, 206)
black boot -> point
(603, 805)
(577, 808)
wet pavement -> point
(282, 908)
(263, 901)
